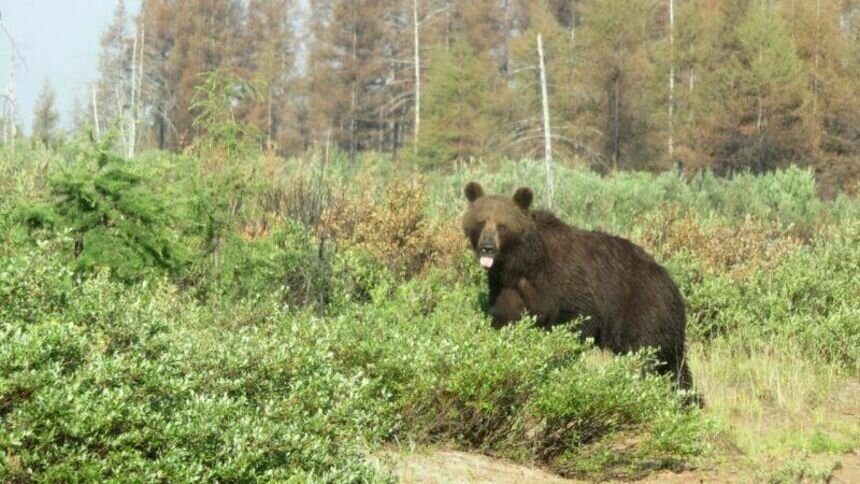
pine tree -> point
(754, 95)
(347, 79)
(45, 116)
(834, 108)
(697, 22)
(615, 36)
(480, 23)
(185, 40)
(459, 121)
(270, 58)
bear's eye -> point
(501, 227)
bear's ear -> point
(473, 191)
(523, 197)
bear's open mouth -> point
(486, 262)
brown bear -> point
(536, 264)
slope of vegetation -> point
(190, 317)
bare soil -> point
(443, 466)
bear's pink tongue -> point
(486, 262)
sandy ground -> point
(448, 466)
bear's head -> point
(496, 224)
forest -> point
(724, 85)
(243, 260)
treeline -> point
(632, 84)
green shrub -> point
(287, 260)
(130, 384)
(455, 379)
(35, 281)
(222, 341)
(117, 222)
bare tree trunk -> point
(671, 79)
(12, 109)
(690, 85)
(270, 116)
(417, 61)
(759, 125)
(119, 103)
(616, 122)
(7, 117)
(327, 143)
(131, 114)
(139, 100)
(96, 113)
(353, 125)
(10, 131)
(547, 135)
(817, 57)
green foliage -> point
(807, 304)
(140, 381)
(450, 377)
(459, 95)
(256, 352)
(117, 220)
(288, 259)
(34, 282)
(213, 104)
(755, 94)
(616, 202)
(137, 385)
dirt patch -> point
(848, 470)
(449, 466)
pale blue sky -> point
(59, 39)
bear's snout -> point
(487, 253)
(487, 248)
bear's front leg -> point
(544, 309)
(507, 308)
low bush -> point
(219, 326)
(142, 382)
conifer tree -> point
(186, 40)
(615, 36)
(348, 73)
(270, 57)
(755, 97)
(459, 119)
(45, 116)
(831, 72)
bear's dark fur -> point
(539, 265)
